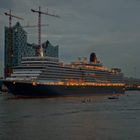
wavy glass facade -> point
(15, 42)
(16, 47)
(50, 50)
(18, 41)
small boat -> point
(113, 97)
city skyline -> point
(107, 27)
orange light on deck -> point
(34, 83)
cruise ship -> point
(47, 76)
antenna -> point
(40, 49)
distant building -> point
(16, 47)
(15, 42)
(50, 50)
(29, 50)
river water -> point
(71, 118)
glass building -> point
(15, 42)
(50, 50)
(16, 47)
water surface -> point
(71, 118)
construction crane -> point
(12, 16)
(40, 49)
(32, 26)
(9, 65)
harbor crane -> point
(40, 49)
(8, 67)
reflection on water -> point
(71, 118)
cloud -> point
(108, 27)
(6, 4)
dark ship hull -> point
(28, 89)
(0, 84)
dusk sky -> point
(110, 28)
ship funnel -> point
(93, 58)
